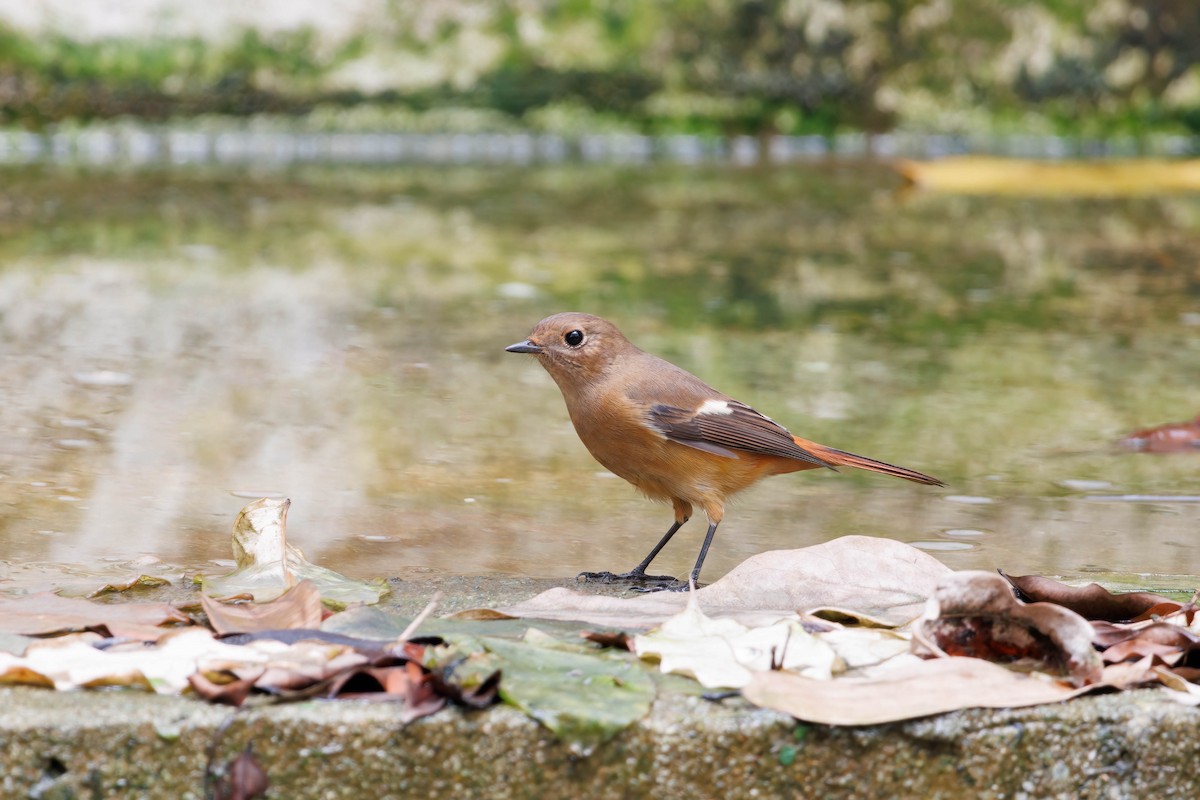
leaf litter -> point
(854, 631)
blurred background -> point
(277, 249)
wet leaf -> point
(267, 566)
(584, 698)
(881, 578)
(45, 614)
(243, 779)
(133, 582)
(1092, 602)
(902, 689)
(975, 614)
(722, 653)
(298, 607)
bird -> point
(667, 432)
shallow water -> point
(175, 344)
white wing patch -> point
(714, 407)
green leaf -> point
(584, 698)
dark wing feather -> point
(724, 434)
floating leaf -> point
(267, 566)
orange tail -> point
(843, 459)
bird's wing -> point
(724, 427)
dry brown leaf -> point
(1092, 602)
(222, 687)
(904, 689)
(1130, 674)
(1173, 437)
(1161, 639)
(298, 607)
(243, 779)
(20, 675)
(975, 614)
(879, 578)
(45, 613)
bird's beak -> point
(523, 347)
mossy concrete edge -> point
(124, 744)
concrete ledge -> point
(124, 744)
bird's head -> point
(573, 346)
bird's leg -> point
(708, 537)
(714, 519)
(683, 512)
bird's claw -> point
(633, 576)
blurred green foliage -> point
(708, 66)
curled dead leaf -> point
(1091, 602)
(298, 607)
(267, 565)
(975, 614)
(1168, 642)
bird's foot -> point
(633, 576)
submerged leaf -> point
(267, 566)
(1092, 602)
(584, 698)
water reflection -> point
(172, 344)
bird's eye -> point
(574, 338)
